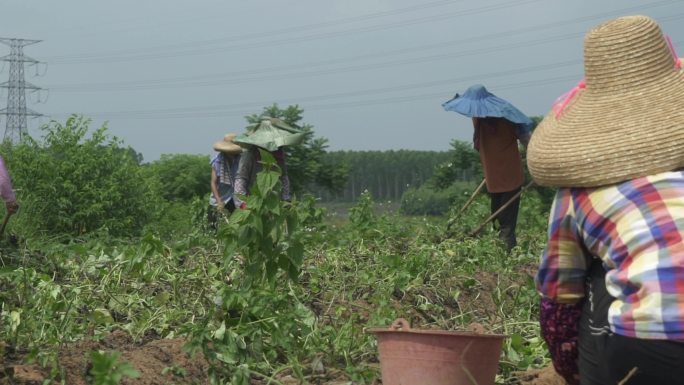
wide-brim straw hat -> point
(227, 145)
(478, 102)
(626, 120)
(270, 134)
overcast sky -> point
(173, 76)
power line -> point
(214, 79)
(223, 109)
(296, 28)
(117, 56)
(208, 111)
(263, 76)
(351, 104)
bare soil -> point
(149, 358)
(545, 376)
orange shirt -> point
(498, 147)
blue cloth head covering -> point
(477, 102)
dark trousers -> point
(508, 218)
(607, 358)
(594, 327)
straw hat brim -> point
(227, 147)
(603, 139)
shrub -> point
(427, 200)
(182, 176)
(72, 184)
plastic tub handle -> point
(400, 324)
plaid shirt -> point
(225, 169)
(636, 228)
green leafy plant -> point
(362, 216)
(108, 370)
(267, 233)
(255, 318)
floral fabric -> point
(560, 329)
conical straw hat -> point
(226, 145)
(270, 134)
(625, 121)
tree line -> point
(386, 175)
(75, 180)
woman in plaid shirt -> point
(612, 274)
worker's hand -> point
(11, 207)
(220, 206)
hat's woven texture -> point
(226, 145)
(627, 122)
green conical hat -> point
(270, 134)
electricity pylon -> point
(16, 110)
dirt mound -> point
(545, 376)
(159, 362)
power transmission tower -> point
(16, 110)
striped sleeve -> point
(563, 264)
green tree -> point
(385, 174)
(464, 161)
(71, 183)
(306, 163)
(182, 176)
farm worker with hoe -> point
(498, 126)
(270, 134)
(612, 274)
(223, 170)
(6, 190)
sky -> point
(172, 76)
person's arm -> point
(6, 190)
(560, 280)
(214, 189)
(560, 330)
(563, 266)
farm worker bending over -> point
(223, 170)
(271, 134)
(612, 274)
(6, 190)
(498, 126)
